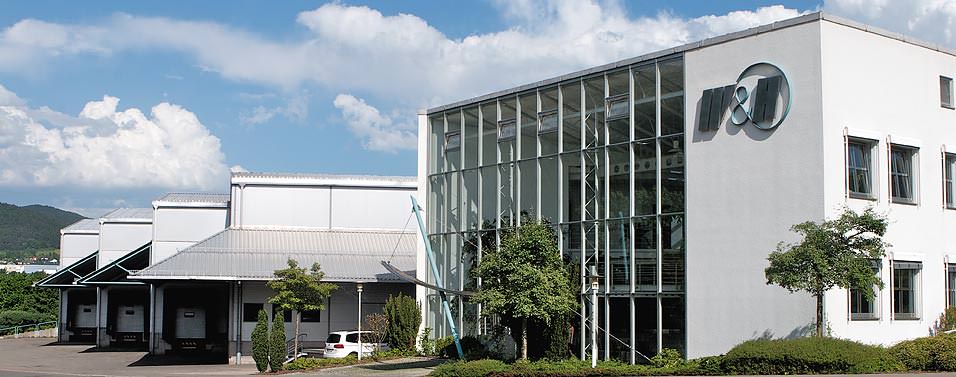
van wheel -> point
(354, 354)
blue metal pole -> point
(438, 281)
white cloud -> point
(400, 58)
(378, 132)
(295, 109)
(929, 20)
(104, 148)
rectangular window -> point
(949, 167)
(951, 285)
(453, 140)
(862, 308)
(286, 314)
(507, 130)
(859, 169)
(906, 290)
(548, 121)
(311, 316)
(902, 178)
(618, 107)
(250, 312)
(946, 92)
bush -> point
(307, 363)
(475, 348)
(277, 351)
(808, 356)
(946, 321)
(667, 358)
(933, 353)
(260, 342)
(477, 368)
(404, 317)
(23, 317)
(445, 347)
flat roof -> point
(305, 179)
(84, 226)
(799, 20)
(193, 199)
(128, 215)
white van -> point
(340, 344)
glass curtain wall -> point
(602, 158)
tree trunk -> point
(819, 314)
(524, 339)
(295, 337)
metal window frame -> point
(916, 290)
(948, 82)
(502, 124)
(911, 157)
(448, 137)
(868, 146)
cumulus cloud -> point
(378, 132)
(296, 109)
(929, 20)
(399, 57)
(105, 148)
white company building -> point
(676, 173)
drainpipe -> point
(152, 318)
(99, 307)
(239, 323)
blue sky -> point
(106, 104)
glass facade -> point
(600, 157)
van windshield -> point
(333, 338)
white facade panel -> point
(891, 89)
(373, 208)
(75, 246)
(290, 206)
(118, 239)
(175, 229)
(745, 188)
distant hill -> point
(32, 227)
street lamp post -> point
(359, 289)
(595, 282)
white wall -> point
(745, 188)
(877, 87)
(75, 246)
(322, 206)
(119, 239)
(175, 229)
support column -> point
(102, 310)
(61, 335)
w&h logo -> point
(765, 106)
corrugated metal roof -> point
(192, 199)
(91, 226)
(324, 179)
(254, 254)
(129, 214)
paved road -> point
(38, 357)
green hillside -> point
(33, 227)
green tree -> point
(403, 316)
(524, 278)
(298, 290)
(260, 342)
(833, 253)
(277, 350)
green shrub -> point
(307, 363)
(477, 368)
(445, 347)
(946, 321)
(475, 348)
(933, 353)
(23, 317)
(705, 366)
(260, 342)
(404, 317)
(277, 351)
(808, 356)
(667, 358)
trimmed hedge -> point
(307, 363)
(808, 356)
(933, 353)
(477, 368)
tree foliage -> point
(524, 278)
(833, 253)
(277, 350)
(377, 325)
(260, 341)
(404, 317)
(22, 303)
(298, 290)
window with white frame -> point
(548, 121)
(949, 174)
(906, 284)
(902, 174)
(507, 129)
(862, 307)
(946, 92)
(859, 168)
(951, 284)
(453, 140)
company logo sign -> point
(761, 97)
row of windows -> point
(903, 172)
(907, 295)
(250, 313)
